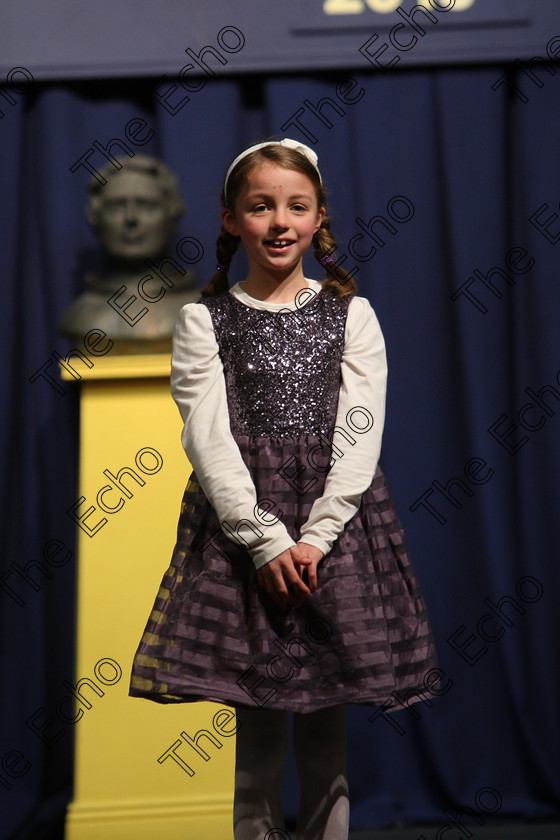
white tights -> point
(320, 755)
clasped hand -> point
(282, 576)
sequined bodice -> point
(282, 369)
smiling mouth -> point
(278, 244)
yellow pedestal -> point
(121, 790)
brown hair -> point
(337, 282)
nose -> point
(280, 218)
(131, 213)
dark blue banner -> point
(179, 38)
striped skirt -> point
(214, 634)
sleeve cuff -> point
(262, 555)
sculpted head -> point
(135, 213)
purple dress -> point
(213, 633)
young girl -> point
(290, 587)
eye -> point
(259, 208)
(299, 208)
(146, 204)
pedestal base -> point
(135, 776)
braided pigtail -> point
(338, 282)
(226, 246)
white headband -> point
(290, 144)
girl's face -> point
(276, 215)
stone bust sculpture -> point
(137, 299)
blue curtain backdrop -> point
(471, 443)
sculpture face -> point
(134, 222)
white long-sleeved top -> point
(198, 388)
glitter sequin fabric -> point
(282, 369)
(214, 634)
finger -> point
(293, 576)
(312, 578)
(283, 592)
(302, 561)
(292, 573)
(297, 589)
(278, 597)
(281, 582)
(269, 585)
(282, 598)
